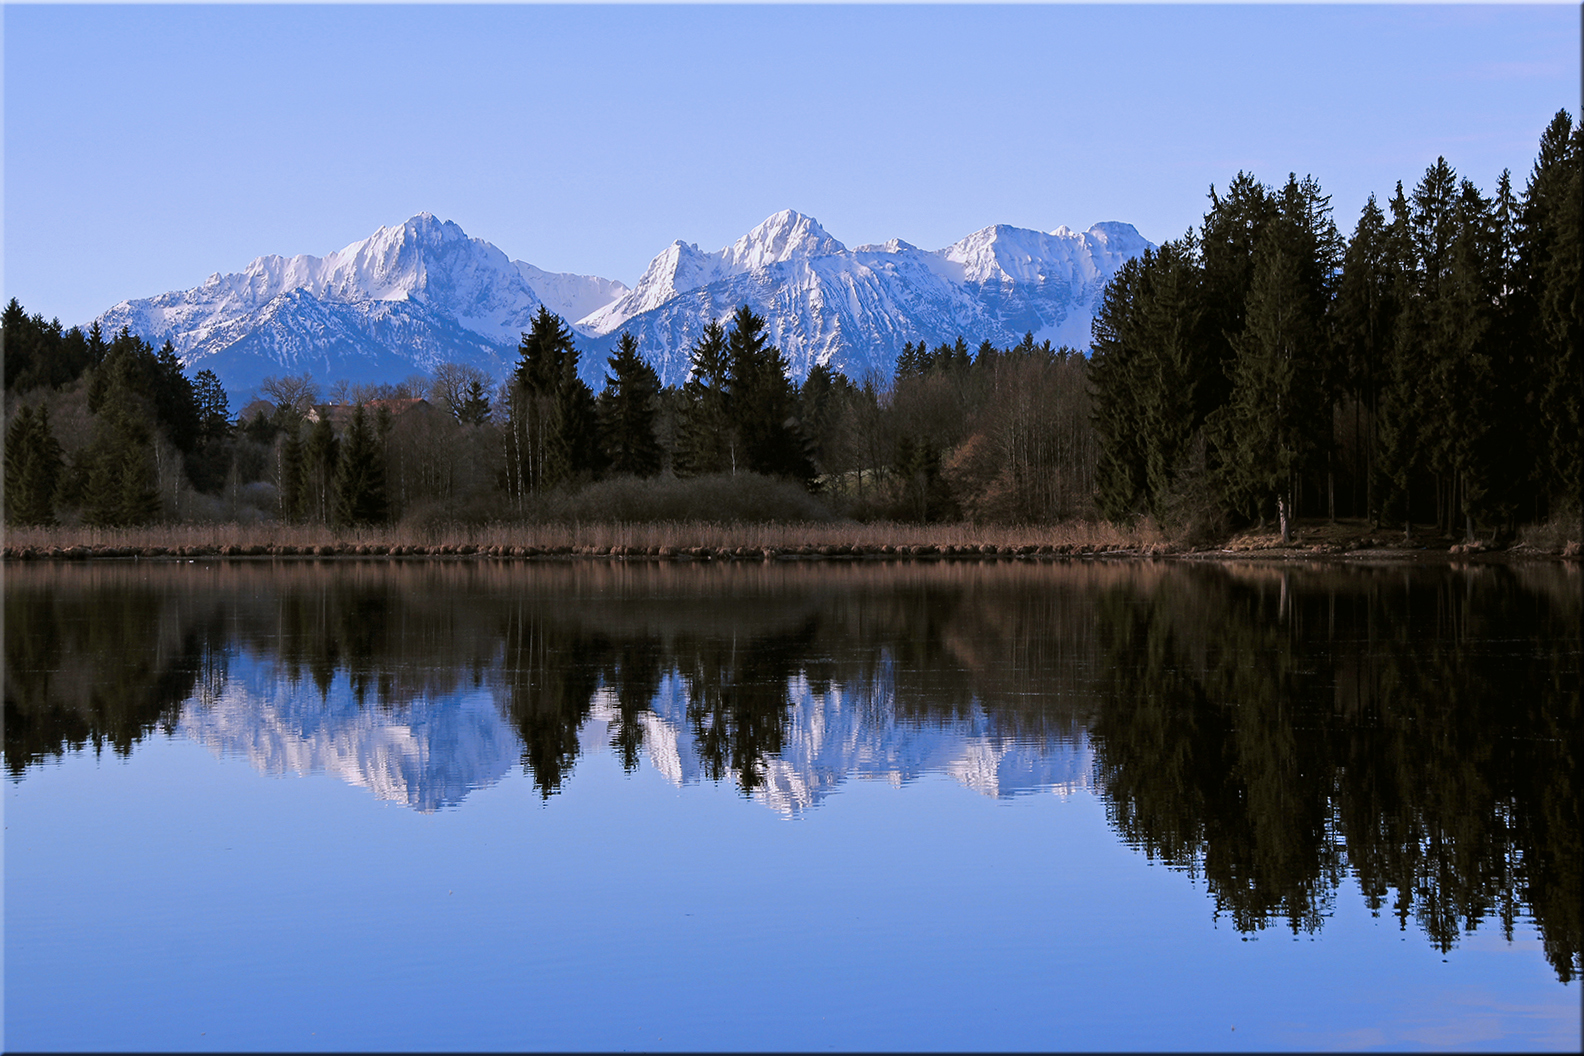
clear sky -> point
(147, 147)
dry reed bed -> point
(667, 539)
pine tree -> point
(1114, 376)
(322, 459)
(119, 461)
(214, 409)
(1267, 429)
(820, 401)
(912, 362)
(139, 485)
(176, 406)
(360, 478)
(33, 469)
(293, 478)
(1366, 310)
(1399, 453)
(762, 404)
(1513, 449)
(1228, 237)
(706, 442)
(1442, 342)
(1174, 367)
(20, 340)
(626, 411)
(1550, 248)
(573, 449)
(475, 408)
(553, 428)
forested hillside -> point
(1427, 369)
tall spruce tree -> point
(119, 461)
(321, 462)
(1402, 409)
(706, 442)
(1175, 368)
(539, 407)
(1114, 376)
(33, 468)
(1365, 311)
(1228, 238)
(822, 397)
(1150, 370)
(763, 406)
(627, 410)
(1550, 249)
(293, 478)
(574, 453)
(360, 478)
(1267, 429)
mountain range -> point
(410, 297)
(432, 751)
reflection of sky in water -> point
(568, 857)
(429, 752)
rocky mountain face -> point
(410, 297)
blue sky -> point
(146, 147)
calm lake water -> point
(1082, 805)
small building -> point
(340, 414)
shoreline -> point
(807, 552)
(1351, 540)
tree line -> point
(1426, 369)
(1262, 367)
(999, 435)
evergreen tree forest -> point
(1422, 373)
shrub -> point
(720, 497)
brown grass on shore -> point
(668, 538)
(694, 538)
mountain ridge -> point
(423, 292)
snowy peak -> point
(424, 292)
(415, 294)
(855, 310)
(1118, 237)
(423, 259)
(787, 235)
(682, 267)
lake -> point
(387, 804)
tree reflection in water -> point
(1273, 729)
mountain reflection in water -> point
(1269, 729)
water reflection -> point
(1271, 730)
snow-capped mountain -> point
(402, 300)
(855, 309)
(410, 297)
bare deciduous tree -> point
(295, 392)
(451, 385)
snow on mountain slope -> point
(570, 296)
(410, 297)
(406, 298)
(855, 309)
